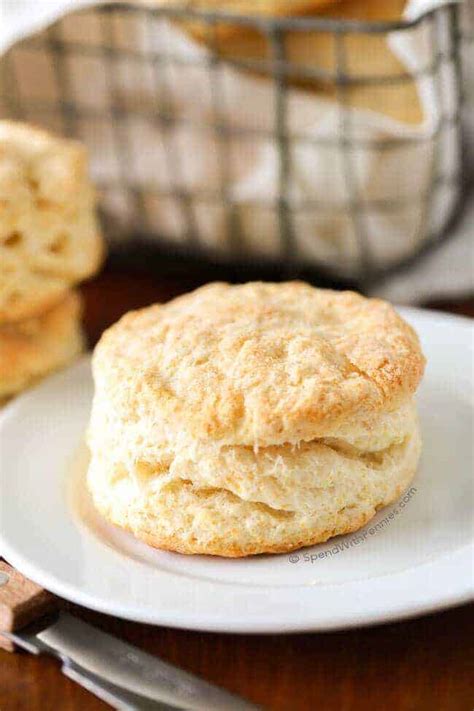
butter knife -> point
(116, 672)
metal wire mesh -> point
(71, 78)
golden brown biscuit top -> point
(258, 364)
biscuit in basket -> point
(222, 31)
(49, 235)
(250, 419)
(379, 79)
(32, 348)
(267, 8)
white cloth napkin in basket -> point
(254, 166)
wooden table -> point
(417, 665)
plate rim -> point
(348, 621)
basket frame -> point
(275, 30)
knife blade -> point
(115, 671)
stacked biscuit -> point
(238, 420)
(49, 241)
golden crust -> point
(220, 546)
(32, 348)
(49, 234)
(258, 364)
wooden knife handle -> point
(21, 602)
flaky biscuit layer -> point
(49, 234)
(193, 510)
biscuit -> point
(228, 37)
(257, 418)
(32, 348)
(49, 234)
(368, 57)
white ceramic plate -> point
(414, 557)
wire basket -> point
(254, 156)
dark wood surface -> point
(416, 665)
